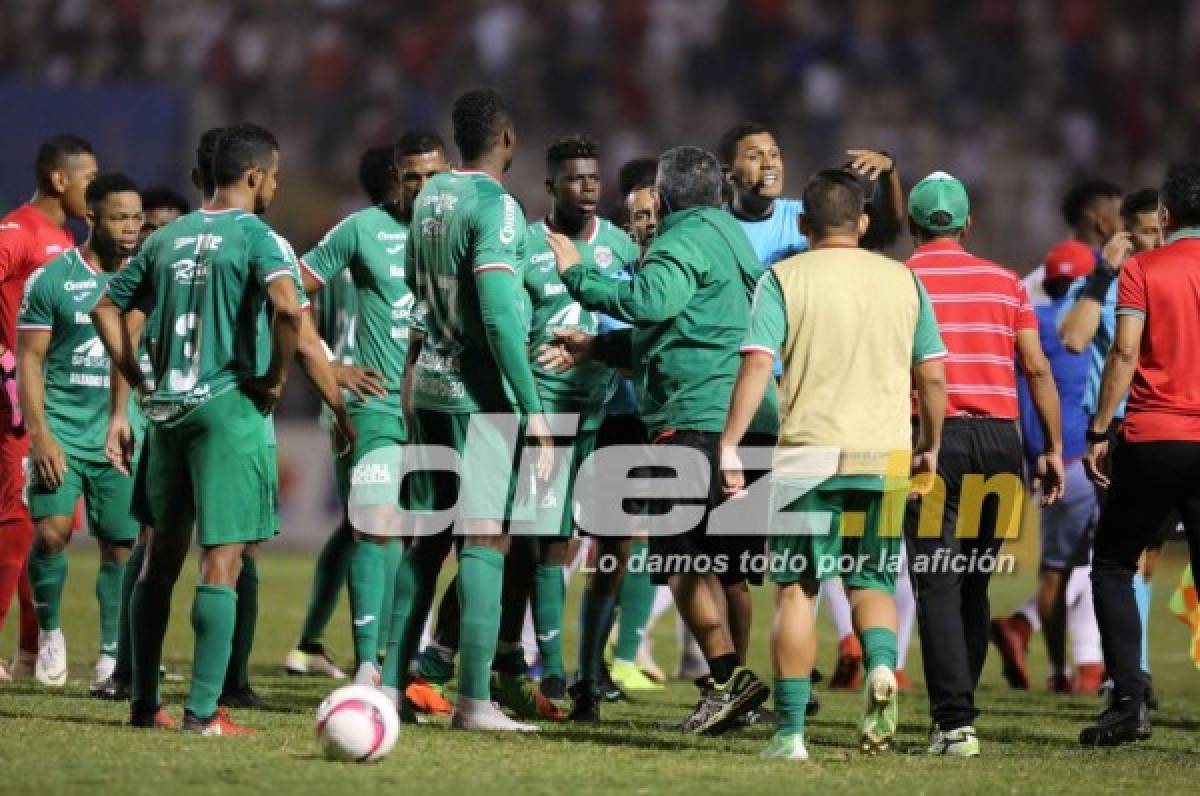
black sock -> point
(722, 667)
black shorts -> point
(696, 551)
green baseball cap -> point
(936, 198)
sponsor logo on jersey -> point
(542, 257)
(603, 256)
(396, 271)
(555, 289)
(189, 271)
(179, 243)
(381, 235)
(508, 232)
(82, 317)
(87, 284)
(90, 354)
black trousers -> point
(1149, 481)
(948, 576)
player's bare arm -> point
(1050, 470)
(45, 455)
(1118, 373)
(754, 374)
(929, 381)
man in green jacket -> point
(689, 305)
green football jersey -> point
(57, 299)
(581, 389)
(204, 279)
(466, 255)
(370, 246)
(334, 311)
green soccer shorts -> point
(107, 496)
(211, 468)
(490, 485)
(556, 499)
(826, 530)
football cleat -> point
(880, 711)
(959, 742)
(313, 660)
(220, 724)
(427, 697)
(482, 715)
(786, 747)
(630, 677)
(51, 666)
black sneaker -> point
(757, 717)
(553, 687)
(720, 708)
(1121, 724)
(241, 698)
(111, 689)
(610, 690)
(585, 703)
(813, 707)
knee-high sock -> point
(366, 598)
(238, 674)
(150, 608)
(906, 611)
(480, 585)
(1081, 619)
(636, 600)
(329, 576)
(839, 607)
(1142, 592)
(393, 551)
(133, 567)
(47, 576)
(791, 700)
(109, 580)
(214, 614)
(416, 585)
(595, 620)
(879, 648)
(549, 595)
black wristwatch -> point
(1096, 436)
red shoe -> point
(902, 681)
(1011, 637)
(428, 698)
(848, 672)
(220, 724)
(1089, 678)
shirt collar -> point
(587, 234)
(673, 218)
(940, 246)
(1182, 234)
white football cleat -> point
(319, 663)
(105, 665)
(960, 742)
(51, 666)
(481, 714)
(5, 677)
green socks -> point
(791, 700)
(329, 576)
(879, 648)
(411, 599)
(637, 601)
(367, 565)
(549, 594)
(237, 676)
(393, 552)
(47, 576)
(133, 567)
(595, 620)
(109, 580)
(480, 584)
(149, 610)
(214, 614)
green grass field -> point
(64, 742)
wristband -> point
(1094, 437)
(1098, 282)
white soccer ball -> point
(357, 723)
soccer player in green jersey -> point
(573, 182)
(204, 280)
(464, 264)
(63, 380)
(370, 245)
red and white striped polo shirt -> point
(980, 306)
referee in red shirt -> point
(1155, 467)
(985, 319)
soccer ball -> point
(357, 723)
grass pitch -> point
(64, 742)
